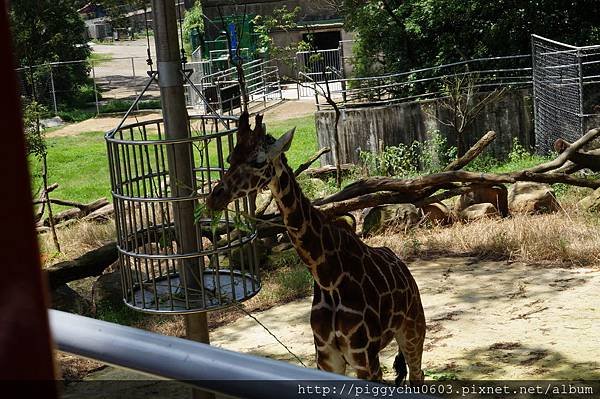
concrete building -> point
(318, 17)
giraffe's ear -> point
(281, 145)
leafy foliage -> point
(406, 34)
(49, 31)
(34, 135)
(428, 156)
(193, 20)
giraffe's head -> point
(250, 163)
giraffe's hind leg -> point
(410, 338)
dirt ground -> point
(486, 320)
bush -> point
(429, 156)
(75, 115)
(123, 105)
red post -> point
(25, 343)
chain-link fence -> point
(112, 85)
(566, 83)
(91, 87)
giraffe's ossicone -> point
(363, 296)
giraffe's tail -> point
(400, 368)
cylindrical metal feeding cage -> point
(156, 276)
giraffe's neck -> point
(304, 222)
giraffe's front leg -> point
(329, 358)
(366, 362)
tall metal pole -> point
(180, 156)
(53, 91)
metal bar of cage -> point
(218, 274)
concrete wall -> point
(374, 128)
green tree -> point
(194, 20)
(403, 35)
(49, 31)
(118, 10)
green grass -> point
(79, 165)
(99, 58)
(488, 164)
(305, 139)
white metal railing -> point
(486, 74)
(262, 84)
(196, 364)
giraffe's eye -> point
(258, 164)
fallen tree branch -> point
(90, 264)
(567, 154)
(473, 152)
(406, 186)
(77, 213)
(580, 159)
(304, 166)
(329, 170)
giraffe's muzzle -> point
(219, 197)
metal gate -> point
(318, 66)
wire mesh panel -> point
(156, 275)
(558, 91)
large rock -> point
(107, 290)
(384, 217)
(591, 202)
(478, 211)
(263, 197)
(68, 300)
(436, 213)
(528, 197)
(481, 194)
(241, 255)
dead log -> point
(90, 264)
(42, 199)
(567, 153)
(305, 165)
(328, 171)
(78, 213)
(473, 152)
(581, 159)
(101, 215)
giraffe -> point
(363, 296)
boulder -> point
(68, 300)
(384, 217)
(264, 196)
(480, 194)
(242, 254)
(107, 290)
(478, 211)
(528, 197)
(591, 202)
(436, 213)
